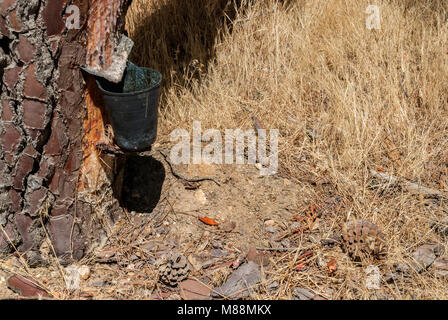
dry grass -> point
(375, 98)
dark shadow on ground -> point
(143, 181)
(178, 37)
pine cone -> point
(175, 269)
(361, 239)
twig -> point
(257, 123)
(402, 86)
(278, 249)
(180, 176)
(411, 186)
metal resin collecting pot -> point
(132, 106)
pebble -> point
(295, 226)
(424, 256)
(269, 223)
(402, 267)
(272, 285)
(84, 272)
(218, 253)
(200, 196)
(441, 266)
(270, 229)
(216, 244)
(98, 283)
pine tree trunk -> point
(52, 119)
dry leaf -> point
(332, 266)
(208, 221)
(300, 267)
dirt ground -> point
(257, 220)
(160, 221)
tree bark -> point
(52, 118)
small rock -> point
(260, 258)
(130, 267)
(99, 283)
(303, 294)
(270, 229)
(228, 226)
(241, 282)
(441, 267)
(402, 267)
(195, 262)
(295, 226)
(425, 255)
(200, 197)
(218, 253)
(207, 264)
(84, 272)
(216, 244)
(441, 263)
(107, 255)
(34, 259)
(272, 286)
(269, 223)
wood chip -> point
(25, 287)
(193, 290)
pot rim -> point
(132, 93)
